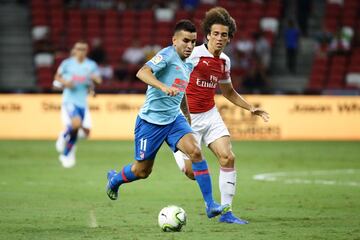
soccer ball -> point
(172, 218)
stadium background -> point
(316, 197)
(37, 35)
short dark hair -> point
(185, 25)
(81, 41)
(218, 15)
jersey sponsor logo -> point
(206, 62)
(77, 78)
(156, 59)
(213, 78)
(205, 84)
(180, 84)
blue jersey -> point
(72, 70)
(169, 69)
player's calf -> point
(142, 169)
(184, 164)
(142, 173)
(189, 173)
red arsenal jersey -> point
(208, 72)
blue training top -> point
(169, 69)
(72, 70)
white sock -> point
(227, 185)
(82, 134)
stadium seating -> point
(118, 29)
(331, 71)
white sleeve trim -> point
(225, 81)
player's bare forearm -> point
(92, 91)
(146, 75)
(96, 79)
(229, 93)
(185, 109)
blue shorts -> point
(149, 137)
(74, 111)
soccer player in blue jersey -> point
(76, 74)
(160, 119)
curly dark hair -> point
(218, 15)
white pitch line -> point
(93, 222)
(293, 177)
(47, 183)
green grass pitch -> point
(41, 200)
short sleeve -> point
(226, 77)
(158, 62)
(62, 68)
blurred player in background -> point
(76, 75)
(212, 67)
(160, 118)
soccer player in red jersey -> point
(212, 68)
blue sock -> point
(69, 145)
(203, 178)
(124, 176)
(68, 131)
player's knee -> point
(76, 125)
(195, 153)
(227, 160)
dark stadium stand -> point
(118, 29)
(331, 71)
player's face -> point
(184, 43)
(218, 37)
(80, 50)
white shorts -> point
(208, 126)
(66, 120)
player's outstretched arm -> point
(229, 93)
(146, 75)
(261, 113)
(96, 79)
